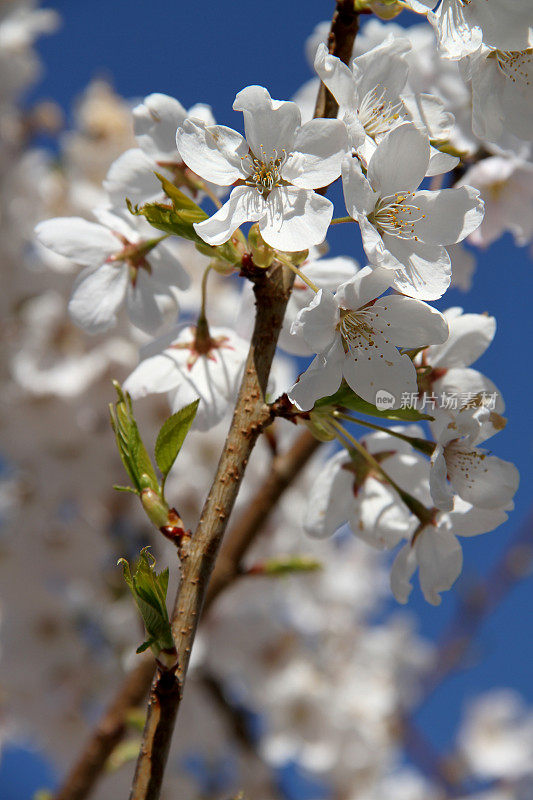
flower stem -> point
(425, 515)
(338, 220)
(423, 445)
(202, 341)
(298, 272)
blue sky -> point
(206, 52)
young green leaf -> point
(132, 451)
(180, 201)
(172, 435)
(179, 219)
(149, 590)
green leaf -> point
(149, 590)
(180, 201)
(179, 219)
(172, 435)
(347, 398)
(144, 646)
(132, 451)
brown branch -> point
(251, 415)
(344, 27)
(284, 469)
(108, 733)
(111, 729)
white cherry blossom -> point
(276, 169)
(125, 262)
(506, 186)
(502, 93)
(436, 551)
(373, 99)
(356, 336)
(155, 122)
(178, 365)
(404, 228)
(326, 273)
(459, 466)
(463, 25)
(496, 736)
(347, 491)
(445, 370)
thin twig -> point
(344, 28)
(284, 469)
(272, 289)
(251, 415)
(111, 729)
(108, 733)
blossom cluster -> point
(372, 330)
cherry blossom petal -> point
(96, 296)
(316, 322)
(321, 379)
(155, 374)
(85, 243)
(400, 161)
(326, 273)
(296, 218)
(319, 148)
(421, 6)
(506, 24)
(142, 305)
(269, 125)
(244, 205)
(332, 494)
(379, 518)
(165, 262)
(485, 481)
(471, 521)
(383, 68)
(426, 272)
(376, 365)
(155, 122)
(450, 214)
(441, 491)
(440, 163)
(336, 76)
(403, 569)
(131, 175)
(214, 380)
(440, 560)
(412, 322)
(470, 336)
(359, 196)
(369, 283)
(213, 152)
(465, 382)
